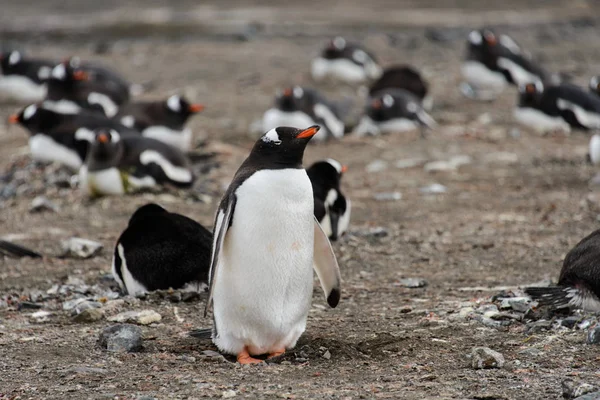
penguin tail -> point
(14, 250)
(426, 120)
(202, 333)
(555, 297)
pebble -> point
(144, 317)
(41, 316)
(89, 315)
(572, 389)
(593, 336)
(589, 396)
(121, 338)
(41, 203)
(569, 322)
(228, 394)
(434, 188)
(520, 304)
(410, 163)
(213, 356)
(326, 355)
(501, 157)
(80, 248)
(439, 166)
(388, 196)
(376, 166)
(586, 323)
(484, 358)
(412, 282)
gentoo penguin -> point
(265, 243)
(62, 138)
(300, 106)
(332, 209)
(579, 281)
(557, 107)
(117, 164)
(595, 85)
(23, 79)
(161, 120)
(403, 77)
(493, 61)
(394, 110)
(345, 62)
(105, 76)
(71, 89)
(161, 250)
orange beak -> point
(491, 40)
(80, 75)
(344, 169)
(13, 119)
(376, 104)
(287, 92)
(196, 108)
(102, 138)
(308, 132)
(530, 88)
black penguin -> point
(23, 79)
(300, 106)
(161, 250)
(332, 209)
(103, 75)
(595, 85)
(394, 110)
(403, 77)
(117, 164)
(579, 281)
(162, 120)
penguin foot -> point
(244, 358)
(275, 354)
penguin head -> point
(179, 109)
(328, 172)
(10, 61)
(335, 47)
(595, 84)
(36, 118)
(291, 99)
(283, 145)
(483, 38)
(145, 211)
(67, 74)
(530, 93)
(385, 107)
(106, 146)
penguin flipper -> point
(326, 266)
(222, 224)
(201, 333)
(555, 297)
(15, 250)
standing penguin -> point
(161, 250)
(595, 85)
(266, 241)
(118, 164)
(403, 77)
(579, 281)
(332, 209)
(23, 79)
(161, 120)
(298, 107)
(346, 62)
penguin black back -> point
(14, 63)
(401, 77)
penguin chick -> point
(403, 77)
(266, 242)
(161, 120)
(332, 209)
(161, 250)
(23, 79)
(579, 281)
(117, 164)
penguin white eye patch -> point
(271, 137)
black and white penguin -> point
(23, 79)
(62, 138)
(595, 85)
(161, 250)
(71, 89)
(266, 242)
(345, 62)
(332, 208)
(579, 281)
(493, 61)
(403, 77)
(298, 106)
(557, 107)
(162, 120)
(391, 111)
(117, 164)
(105, 76)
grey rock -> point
(434, 188)
(41, 203)
(212, 356)
(41, 316)
(89, 315)
(593, 336)
(572, 389)
(146, 398)
(80, 248)
(539, 326)
(410, 163)
(326, 355)
(569, 322)
(121, 338)
(376, 166)
(412, 282)
(586, 323)
(143, 317)
(388, 196)
(589, 396)
(501, 157)
(485, 358)
(439, 166)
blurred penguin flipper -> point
(14, 250)
(201, 333)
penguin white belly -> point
(595, 149)
(519, 74)
(22, 89)
(62, 106)
(366, 126)
(108, 105)
(338, 69)
(44, 149)
(587, 118)
(274, 118)
(344, 221)
(180, 139)
(540, 121)
(264, 283)
(481, 77)
(326, 224)
(129, 283)
(398, 125)
(104, 182)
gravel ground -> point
(513, 208)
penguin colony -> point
(276, 219)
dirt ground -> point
(509, 215)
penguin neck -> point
(276, 159)
(100, 158)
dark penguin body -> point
(103, 75)
(71, 89)
(332, 209)
(403, 77)
(63, 138)
(299, 106)
(161, 120)
(557, 107)
(117, 164)
(595, 85)
(345, 62)
(23, 79)
(161, 250)
(579, 281)
(391, 111)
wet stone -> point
(121, 338)
(485, 358)
(572, 389)
(593, 335)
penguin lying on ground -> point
(403, 77)
(579, 282)
(23, 79)
(265, 245)
(161, 250)
(105, 76)
(117, 164)
(161, 120)
(298, 107)
(391, 111)
(345, 62)
(332, 209)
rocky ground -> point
(428, 278)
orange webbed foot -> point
(244, 358)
